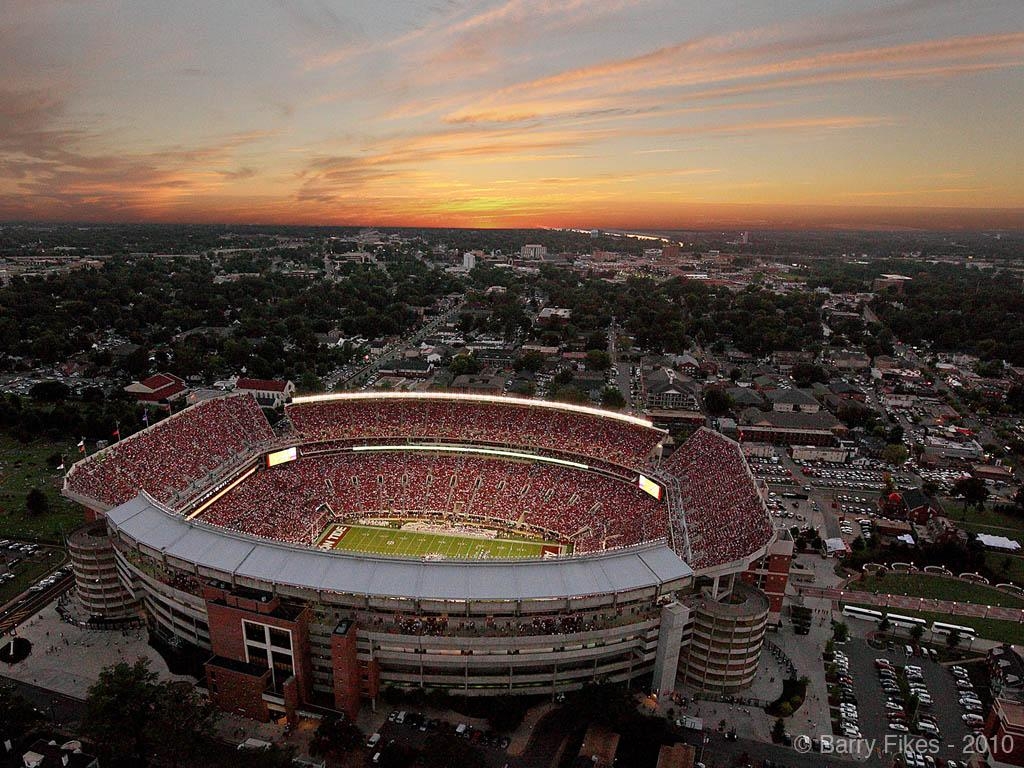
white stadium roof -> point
(144, 521)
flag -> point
(81, 445)
(61, 467)
(117, 432)
(145, 416)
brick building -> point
(770, 574)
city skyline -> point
(627, 113)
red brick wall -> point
(238, 693)
(345, 666)
(226, 638)
(372, 687)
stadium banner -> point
(282, 457)
(649, 487)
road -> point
(59, 708)
(917, 604)
(623, 377)
(396, 349)
(28, 603)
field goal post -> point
(323, 515)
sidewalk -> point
(68, 659)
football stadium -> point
(477, 544)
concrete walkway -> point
(950, 607)
(68, 660)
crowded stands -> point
(476, 421)
(290, 502)
(725, 517)
(174, 454)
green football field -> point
(389, 541)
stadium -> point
(476, 544)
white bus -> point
(906, 621)
(861, 613)
(938, 628)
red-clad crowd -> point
(725, 517)
(592, 511)
(174, 453)
(580, 434)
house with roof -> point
(910, 504)
(789, 427)
(667, 390)
(409, 368)
(844, 390)
(158, 388)
(484, 383)
(791, 401)
(745, 397)
(269, 393)
(50, 754)
(1006, 672)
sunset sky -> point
(589, 113)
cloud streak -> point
(505, 110)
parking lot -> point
(823, 475)
(409, 729)
(893, 728)
(23, 566)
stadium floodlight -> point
(459, 396)
(432, 447)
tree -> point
(779, 731)
(972, 490)
(840, 632)
(954, 638)
(445, 750)
(36, 503)
(611, 397)
(49, 392)
(117, 710)
(17, 716)
(134, 719)
(335, 735)
(598, 360)
(180, 727)
(895, 454)
(310, 382)
(562, 377)
(916, 633)
(805, 374)
(717, 401)
(464, 364)
(884, 625)
(530, 361)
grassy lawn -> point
(984, 521)
(390, 541)
(997, 561)
(23, 467)
(936, 588)
(988, 629)
(27, 573)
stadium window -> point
(257, 655)
(254, 632)
(283, 662)
(279, 638)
